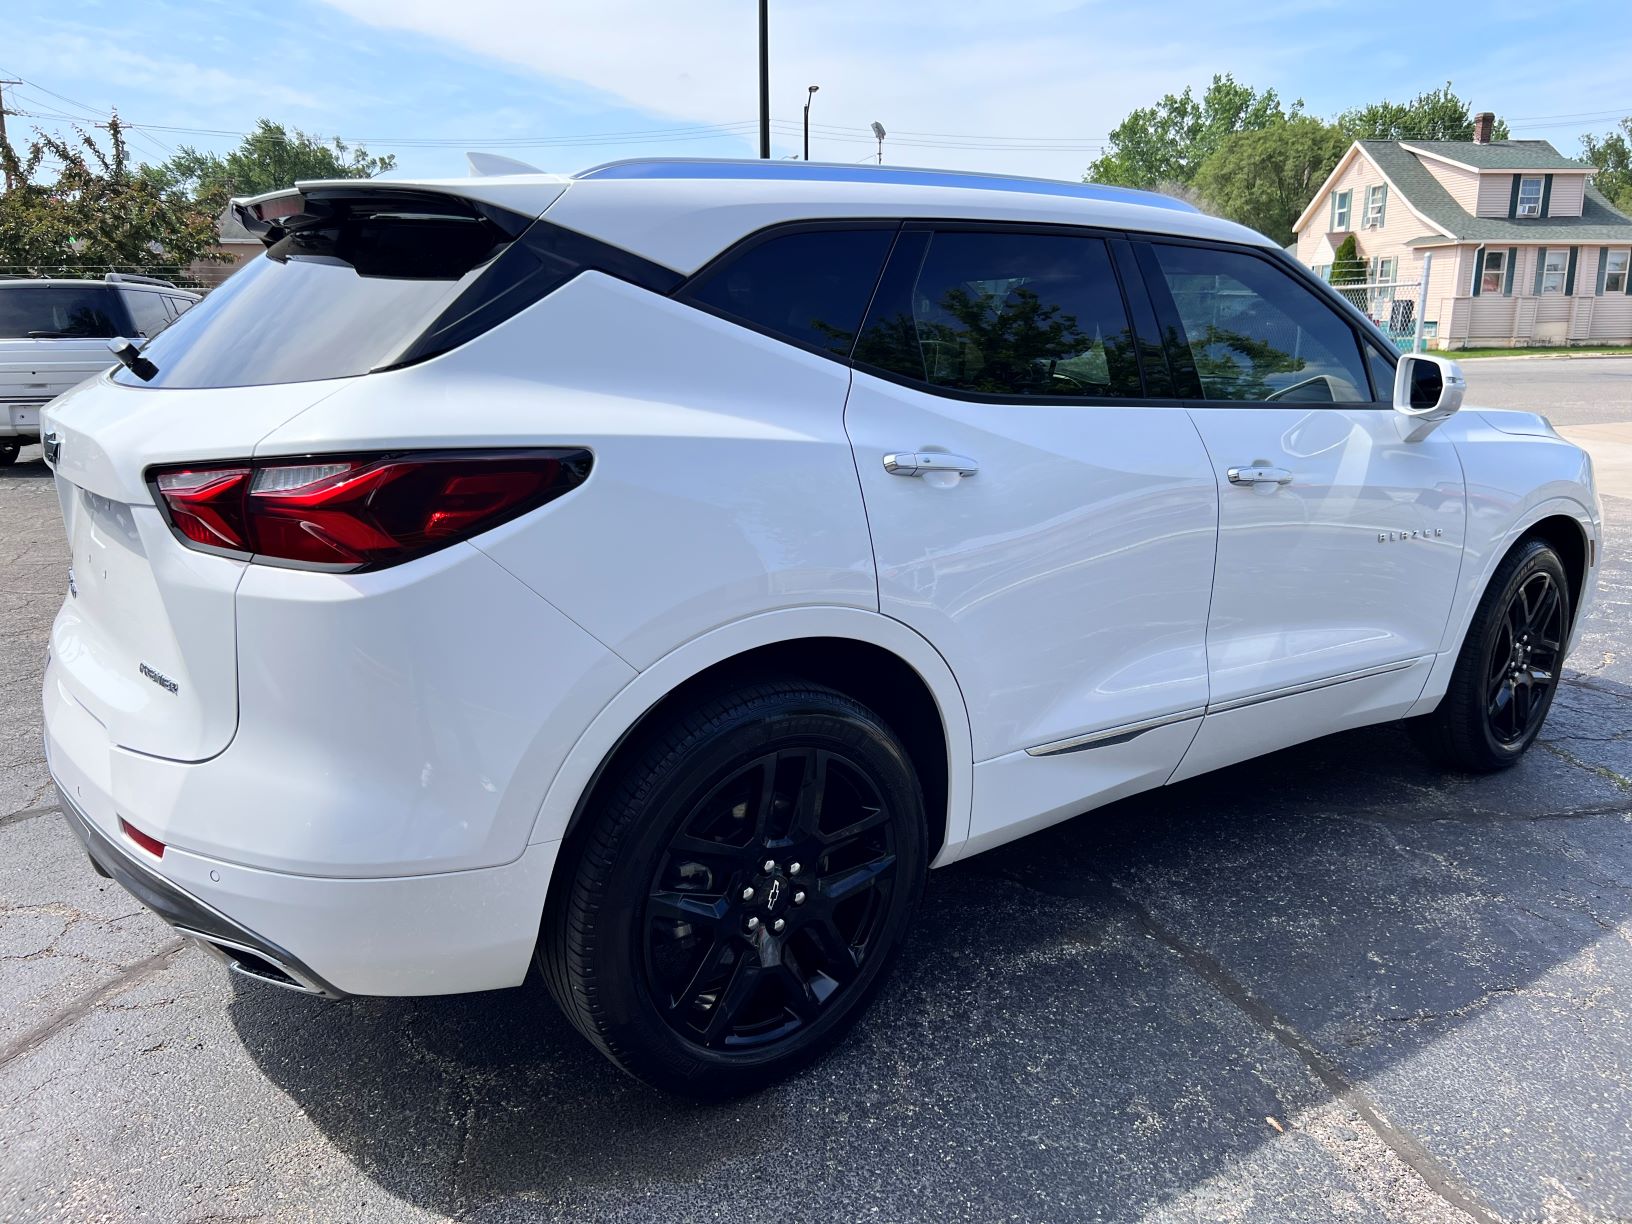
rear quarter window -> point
(808, 286)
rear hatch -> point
(53, 337)
(146, 640)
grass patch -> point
(1536, 350)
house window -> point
(1384, 269)
(1552, 272)
(1530, 196)
(1376, 202)
(1495, 269)
(1617, 266)
(1324, 271)
(1341, 200)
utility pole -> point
(3, 85)
(810, 94)
(764, 79)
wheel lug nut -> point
(778, 925)
(793, 868)
(747, 894)
(798, 898)
(770, 866)
(753, 924)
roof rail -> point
(132, 278)
(838, 172)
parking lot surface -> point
(1334, 984)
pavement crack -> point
(1603, 771)
(11, 818)
(89, 1002)
(1432, 1173)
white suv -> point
(652, 572)
(55, 333)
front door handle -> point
(922, 463)
(1259, 474)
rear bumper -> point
(443, 933)
(21, 419)
(243, 950)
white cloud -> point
(1034, 68)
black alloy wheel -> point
(1508, 670)
(769, 898)
(737, 892)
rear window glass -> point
(810, 287)
(350, 285)
(48, 312)
(147, 312)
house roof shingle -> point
(1598, 222)
(1499, 154)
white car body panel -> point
(378, 769)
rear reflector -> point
(352, 512)
(151, 844)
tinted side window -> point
(1010, 314)
(1256, 334)
(810, 286)
(1382, 375)
(59, 311)
(147, 312)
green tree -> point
(1436, 115)
(268, 158)
(1168, 142)
(1347, 266)
(1612, 154)
(1265, 178)
(76, 204)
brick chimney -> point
(1483, 123)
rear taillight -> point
(351, 512)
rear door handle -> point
(923, 462)
(1259, 474)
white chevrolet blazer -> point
(652, 573)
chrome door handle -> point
(923, 462)
(1259, 474)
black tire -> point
(1508, 669)
(650, 945)
(8, 453)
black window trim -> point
(1366, 334)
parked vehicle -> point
(652, 572)
(55, 333)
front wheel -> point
(1508, 670)
(735, 900)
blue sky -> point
(1026, 86)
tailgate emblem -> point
(159, 678)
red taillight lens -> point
(355, 512)
(151, 844)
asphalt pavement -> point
(1333, 984)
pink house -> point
(1525, 249)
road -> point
(1331, 985)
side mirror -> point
(1428, 389)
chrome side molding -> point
(1114, 735)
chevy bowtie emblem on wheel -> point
(773, 894)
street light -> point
(878, 130)
(809, 94)
(764, 79)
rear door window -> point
(808, 286)
(1006, 314)
(1254, 334)
(59, 312)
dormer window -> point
(1529, 196)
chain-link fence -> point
(1392, 305)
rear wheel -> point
(736, 899)
(8, 453)
(1508, 670)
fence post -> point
(1422, 301)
